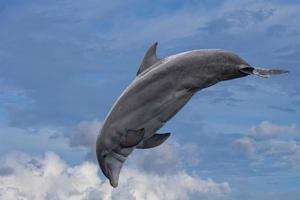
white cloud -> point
(161, 160)
(85, 134)
(272, 144)
(269, 147)
(39, 139)
(176, 186)
(285, 153)
(168, 158)
(277, 147)
(47, 178)
(191, 153)
(50, 177)
(278, 153)
(267, 129)
(165, 158)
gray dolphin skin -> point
(161, 88)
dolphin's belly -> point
(165, 112)
(150, 113)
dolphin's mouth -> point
(119, 157)
(112, 182)
(246, 69)
(111, 166)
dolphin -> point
(161, 88)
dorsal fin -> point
(149, 59)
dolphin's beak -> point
(114, 167)
(262, 72)
(111, 166)
(266, 73)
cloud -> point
(271, 146)
(85, 134)
(239, 19)
(275, 147)
(60, 53)
(5, 171)
(161, 160)
(245, 145)
(269, 153)
(76, 47)
(277, 30)
(52, 178)
(267, 129)
(280, 153)
(68, 60)
(283, 109)
(295, 159)
(175, 186)
(47, 178)
(36, 140)
(191, 153)
(168, 158)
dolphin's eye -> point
(105, 154)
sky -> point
(64, 63)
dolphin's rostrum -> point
(161, 88)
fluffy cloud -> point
(274, 153)
(281, 153)
(49, 177)
(274, 147)
(176, 186)
(37, 140)
(267, 129)
(85, 134)
(151, 174)
(166, 159)
(161, 160)
(271, 145)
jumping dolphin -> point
(161, 88)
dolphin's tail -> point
(262, 72)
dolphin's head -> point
(231, 66)
(110, 160)
(113, 147)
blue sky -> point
(63, 64)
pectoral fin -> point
(153, 141)
(132, 138)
